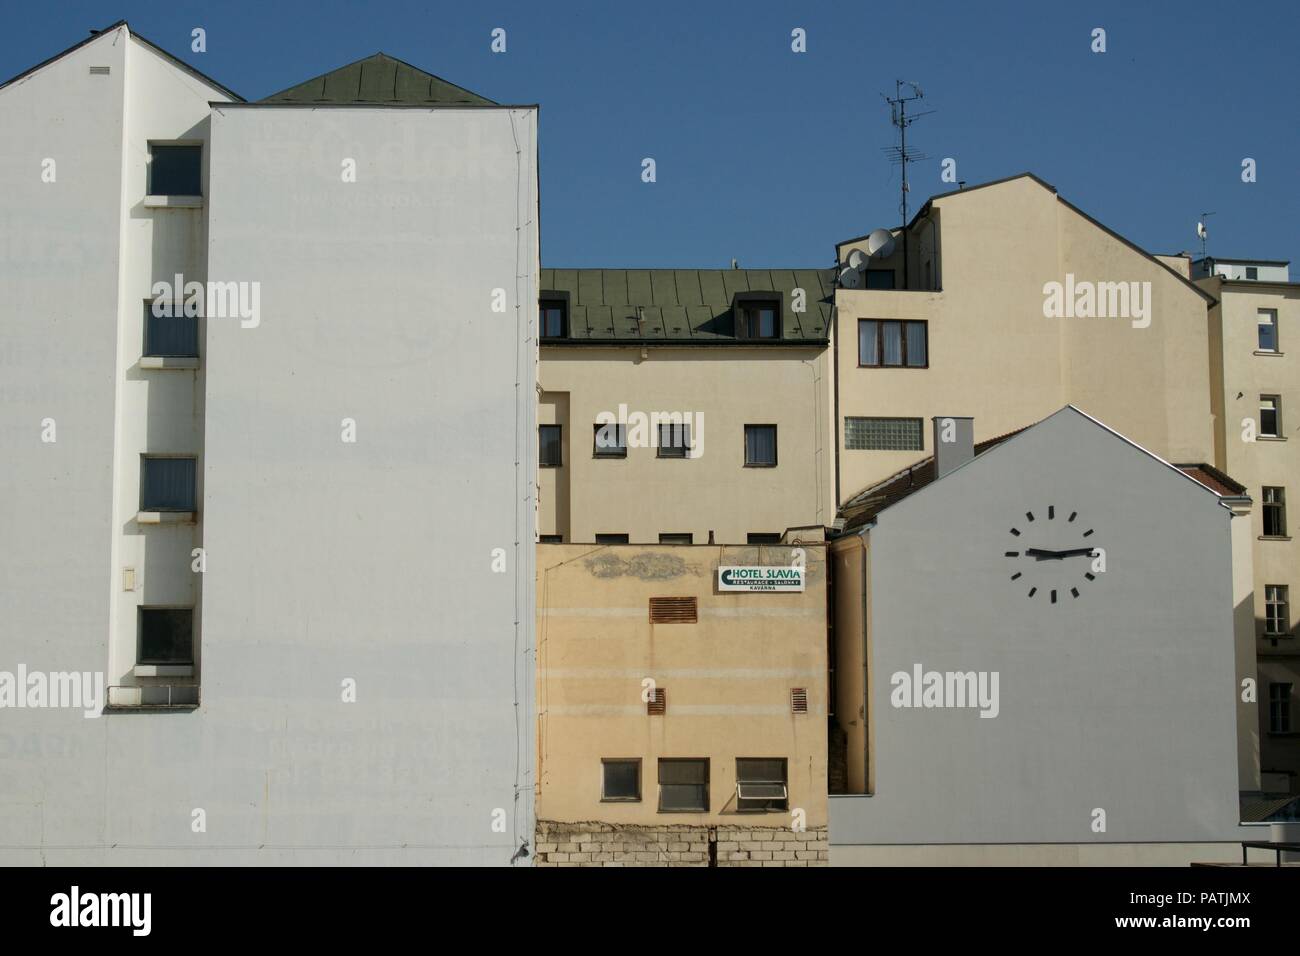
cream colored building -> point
(738, 356)
(965, 332)
(679, 724)
(1255, 369)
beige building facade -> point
(1255, 369)
(735, 358)
(680, 724)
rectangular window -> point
(1268, 330)
(551, 539)
(1274, 512)
(167, 484)
(611, 539)
(620, 780)
(553, 314)
(1277, 615)
(884, 434)
(550, 443)
(674, 441)
(165, 636)
(890, 344)
(880, 278)
(1279, 708)
(760, 446)
(175, 170)
(174, 335)
(683, 785)
(676, 537)
(1270, 416)
(1252, 272)
(763, 537)
(761, 320)
(610, 441)
(761, 784)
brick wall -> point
(603, 844)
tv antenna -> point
(901, 155)
(1202, 232)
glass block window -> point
(883, 434)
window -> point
(676, 537)
(683, 785)
(1274, 512)
(760, 446)
(883, 434)
(610, 441)
(883, 344)
(674, 441)
(620, 779)
(880, 278)
(1279, 708)
(553, 314)
(1270, 416)
(611, 539)
(552, 539)
(761, 784)
(1277, 617)
(550, 443)
(170, 335)
(1252, 272)
(1268, 330)
(673, 610)
(760, 320)
(763, 537)
(175, 170)
(167, 484)
(166, 636)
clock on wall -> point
(1056, 544)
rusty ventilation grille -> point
(673, 610)
(657, 706)
(798, 700)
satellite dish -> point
(850, 278)
(857, 259)
(880, 244)
(1201, 231)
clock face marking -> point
(1057, 557)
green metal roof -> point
(378, 79)
(686, 306)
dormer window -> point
(758, 317)
(553, 314)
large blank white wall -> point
(371, 561)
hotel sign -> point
(760, 579)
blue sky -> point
(769, 156)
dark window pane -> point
(552, 539)
(610, 441)
(1267, 331)
(167, 484)
(611, 539)
(550, 445)
(760, 445)
(880, 278)
(175, 170)
(176, 335)
(685, 537)
(763, 537)
(166, 636)
(674, 441)
(554, 316)
(622, 780)
(916, 344)
(684, 785)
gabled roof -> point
(862, 508)
(96, 34)
(685, 306)
(378, 79)
(925, 209)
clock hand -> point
(1042, 554)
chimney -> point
(954, 443)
